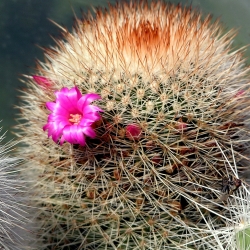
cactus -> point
(12, 211)
(146, 171)
(237, 231)
(235, 235)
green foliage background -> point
(24, 24)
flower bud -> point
(133, 132)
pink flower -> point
(133, 132)
(72, 116)
(42, 81)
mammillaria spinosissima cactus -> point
(142, 167)
(12, 210)
(236, 233)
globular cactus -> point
(240, 224)
(142, 168)
(12, 210)
(236, 233)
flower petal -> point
(58, 130)
(50, 105)
(88, 122)
(89, 132)
(67, 134)
(74, 135)
(80, 137)
(74, 95)
(86, 100)
(91, 109)
(62, 140)
(64, 102)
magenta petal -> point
(85, 123)
(50, 129)
(89, 132)
(68, 99)
(90, 118)
(62, 140)
(50, 105)
(63, 91)
(59, 110)
(74, 95)
(80, 137)
(67, 134)
(46, 126)
(58, 130)
(86, 100)
(67, 104)
(91, 109)
(73, 135)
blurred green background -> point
(24, 24)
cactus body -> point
(12, 211)
(173, 94)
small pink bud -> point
(43, 81)
(133, 132)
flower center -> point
(75, 118)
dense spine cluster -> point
(12, 210)
(173, 95)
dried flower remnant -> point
(72, 116)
